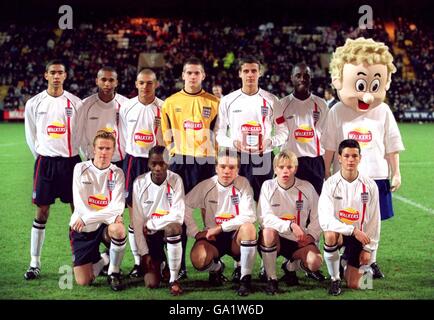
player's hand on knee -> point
(200, 235)
(119, 219)
(297, 231)
(361, 236)
(78, 225)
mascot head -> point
(361, 72)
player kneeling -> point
(98, 206)
(349, 215)
(288, 217)
(228, 213)
(158, 214)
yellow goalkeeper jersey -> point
(187, 122)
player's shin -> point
(248, 255)
(331, 257)
(174, 254)
(269, 257)
(117, 250)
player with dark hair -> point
(188, 119)
(99, 203)
(53, 126)
(252, 114)
(158, 215)
(349, 215)
(101, 112)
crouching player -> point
(288, 217)
(349, 215)
(228, 213)
(158, 215)
(99, 203)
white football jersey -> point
(98, 195)
(229, 206)
(278, 208)
(344, 205)
(259, 113)
(156, 206)
(305, 120)
(54, 125)
(376, 131)
(99, 115)
(140, 125)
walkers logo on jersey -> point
(188, 124)
(143, 138)
(304, 133)
(288, 217)
(159, 213)
(251, 127)
(349, 215)
(223, 217)
(97, 201)
(362, 135)
(56, 130)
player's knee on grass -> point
(201, 255)
(151, 269)
(116, 230)
(268, 237)
(173, 229)
(313, 260)
(352, 277)
(84, 275)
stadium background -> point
(280, 33)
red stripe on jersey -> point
(318, 146)
(364, 208)
(110, 186)
(36, 177)
(234, 193)
(168, 194)
(69, 128)
(300, 195)
(117, 128)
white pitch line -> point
(414, 204)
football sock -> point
(117, 250)
(269, 256)
(37, 240)
(133, 245)
(174, 254)
(248, 254)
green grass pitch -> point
(405, 255)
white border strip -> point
(414, 204)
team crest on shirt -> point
(169, 197)
(365, 197)
(56, 130)
(68, 112)
(111, 185)
(206, 112)
(235, 199)
(299, 205)
(157, 121)
(264, 111)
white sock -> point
(293, 266)
(117, 250)
(97, 267)
(269, 257)
(331, 257)
(373, 256)
(248, 255)
(214, 266)
(133, 245)
(174, 255)
(37, 241)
